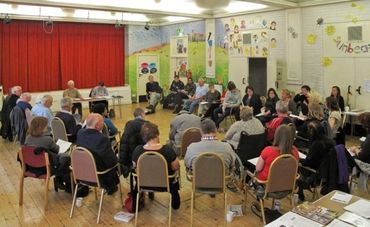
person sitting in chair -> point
(191, 103)
(102, 110)
(282, 118)
(100, 147)
(150, 135)
(70, 123)
(175, 87)
(212, 99)
(73, 93)
(186, 93)
(154, 92)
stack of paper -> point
(63, 146)
(341, 197)
(293, 220)
(236, 209)
(360, 207)
(123, 216)
(354, 219)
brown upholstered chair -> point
(28, 158)
(191, 135)
(152, 174)
(208, 177)
(280, 182)
(85, 173)
(58, 129)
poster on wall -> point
(210, 48)
(256, 43)
(347, 40)
(179, 46)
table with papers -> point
(254, 160)
(351, 210)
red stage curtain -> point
(41, 61)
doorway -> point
(258, 75)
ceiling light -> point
(52, 11)
(176, 19)
(241, 6)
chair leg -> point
(191, 209)
(225, 208)
(100, 205)
(272, 203)
(73, 201)
(96, 193)
(46, 192)
(245, 196)
(21, 190)
(72, 182)
(263, 211)
(137, 207)
(120, 191)
(170, 210)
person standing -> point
(9, 103)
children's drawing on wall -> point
(181, 67)
(330, 30)
(264, 23)
(255, 39)
(232, 22)
(264, 36)
(227, 28)
(273, 25)
(273, 43)
(236, 42)
(259, 44)
(243, 25)
(179, 46)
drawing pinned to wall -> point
(320, 21)
(330, 30)
(273, 43)
(273, 25)
(264, 23)
(243, 24)
(146, 68)
(259, 44)
(311, 39)
(210, 51)
(180, 31)
(326, 61)
(235, 48)
(179, 46)
(181, 66)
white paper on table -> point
(203, 103)
(260, 115)
(291, 219)
(253, 161)
(88, 98)
(354, 219)
(341, 197)
(362, 139)
(298, 117)
(63, 145)
(360, 207)
(338, 223)
(301, 155)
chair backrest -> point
(59, 130)
(191, 135)
(282, 174)
(105, 130)
(29, 158)
(209, 173)
(250, 146)
(152, 170)
(84, 167)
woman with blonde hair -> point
(286, 98)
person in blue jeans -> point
(191, 103)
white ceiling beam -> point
(104, 8)
(275, 3)
(320, 2)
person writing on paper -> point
(335, 92)
(301, 99)
(73, 93)
(320, 146)
(247, 123)
(97, 92)
(70, 123)
(59, 162)
(212, 101)
(363, 152)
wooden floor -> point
(208, 211)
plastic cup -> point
(346, 109)
(78, 202)
(229, 216)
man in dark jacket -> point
(131, 138)
(99, 145)
(70, 123)
(9, 103)
(175, 87)
(154, 92)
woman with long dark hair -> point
(335, 92)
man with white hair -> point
(191, 103)
(9, 103)
(43, 109)
(282, 118)
(24, 101)
(73, 93)
(99, 145)
(70, 123)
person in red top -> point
(282, 118)
(283, 144)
